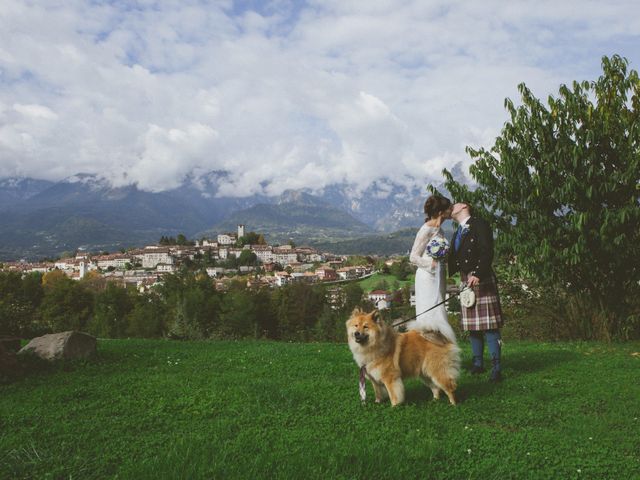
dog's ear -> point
(356, 311)
(375, 316)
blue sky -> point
(281, 94)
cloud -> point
(281, 94)
(35, 111)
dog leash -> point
(466, 287)
(362, 386)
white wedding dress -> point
(430, 286)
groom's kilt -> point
(486, 314)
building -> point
(282, 278)
(326, 274)
(206, 243)
(227, 239)
(234, 251)
(240, 231)
(117, 260)
(335, 297)
(284, 255)
(166, 267)
(154, 255)
(215, 271)
(380, 298)
(347, 273)
(263, 252)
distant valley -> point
(44, 219)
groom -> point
(472, 255)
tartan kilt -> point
(486, 314)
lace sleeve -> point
(422, 238)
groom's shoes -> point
(477, 369)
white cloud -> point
(35, 111)
(287, 96)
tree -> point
(181, 239)
(146, 319)
(94, 281)
(297, 307)
(357, 260)
(401, 269)
(353, 296)
(191, 303)
(330, 326)
(561, 188)
(247, 258)
(237, 314)
(66, 305)
(20, 298)
(251, 238)
(111, 309)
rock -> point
(11, 344)
(8, 362)
(67, 345)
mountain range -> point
(39, 218)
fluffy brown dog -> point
(389, 356)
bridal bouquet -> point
(437, 248)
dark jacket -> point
(476, 251)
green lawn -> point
(370, 283)
(163, 409)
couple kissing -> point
(470, 252)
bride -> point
(431, 273)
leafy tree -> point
(51, 278)
(167, 240)
(266, 319)
(147, 318)
(561, 187)
(251, 238)
(191, 303)
(20, 298)
(353, 296)
(66, 305)
(247, 258)
(357, 260)
(94, 281)
(111, 309)
(237, 314)
(330, 325)
(402, 269)
(297, 307)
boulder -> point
(64, 345)
(11, 344)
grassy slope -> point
(369, 283)
(160, 409)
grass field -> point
(370, 283)
(163, 409)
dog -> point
(389, 356)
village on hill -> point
(226, 258)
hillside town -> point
(143, 268)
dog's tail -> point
(439, 328)
(453, 361)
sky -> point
(282, 94)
